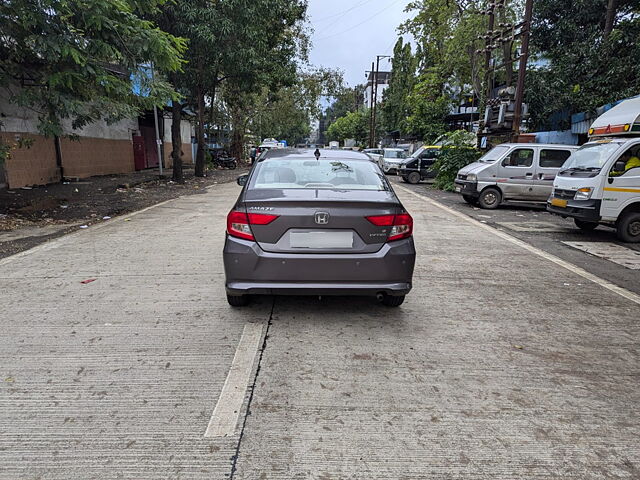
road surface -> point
(505, 362)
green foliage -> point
(346, 100)
(396, 107)
(74, 59)
(352, 125)
(428, 108)
(452, 159)
(587, 68)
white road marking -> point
(225, 416)
(610, 251)
(552, 258)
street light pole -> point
(375, 96)
(522, 68)
(155, 123)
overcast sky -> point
(350, 33)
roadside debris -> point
(88, 280)
(84, 226)
(106, 218)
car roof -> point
(308, 153)
(545, 145)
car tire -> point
(585, 226)
(628, 227)
(238, 300)
(470, 200)
(490, 198)
(392, 301)
(413, 178)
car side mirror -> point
(619, 166)
(242, 180)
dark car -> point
(330, 225)
(420, 165)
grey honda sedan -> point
(318, 223)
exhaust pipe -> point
(380, 296)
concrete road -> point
(598, 252)
(503, 363)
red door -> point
(150, 147)
(139, 157)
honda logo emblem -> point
(322, 218)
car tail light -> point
(402, 225)
(238, 223)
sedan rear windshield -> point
(323, 173)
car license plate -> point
(324, 239)
(556, 202)
(458, 189)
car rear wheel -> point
(586, 226)
(470, 200)
(490, 198)
(238, 300)
(392, 301)
(628, 228)
(413, 177)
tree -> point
(428, 108)
(353, 125)
(591, 50)
(395, 107)
(79, 59)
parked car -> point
(375, 154)
(392, 158)
(512, 171)
(419, 166)
(600, 183)
(326, 226)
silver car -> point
(323, 224)
(512, 172)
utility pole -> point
(489, 47)
(522, 68)
(371, 73)
(375, 95)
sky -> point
(350, 33)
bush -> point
(452, 159)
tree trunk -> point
(611, 16)
(202, 146)
(176, 141)
(237, 137)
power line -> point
(343, 12)
(361, 23)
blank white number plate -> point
(321, 239)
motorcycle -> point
(225, 162)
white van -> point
(600, 183)
(512, 171)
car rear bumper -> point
(251, 270)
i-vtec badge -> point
(322, 218)
(264, 209)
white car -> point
(392, 158)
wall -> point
(35, 165)
(102, 148)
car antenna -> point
(317, 154)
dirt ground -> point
(35, 215)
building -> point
(383, 84)
(97, 149)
